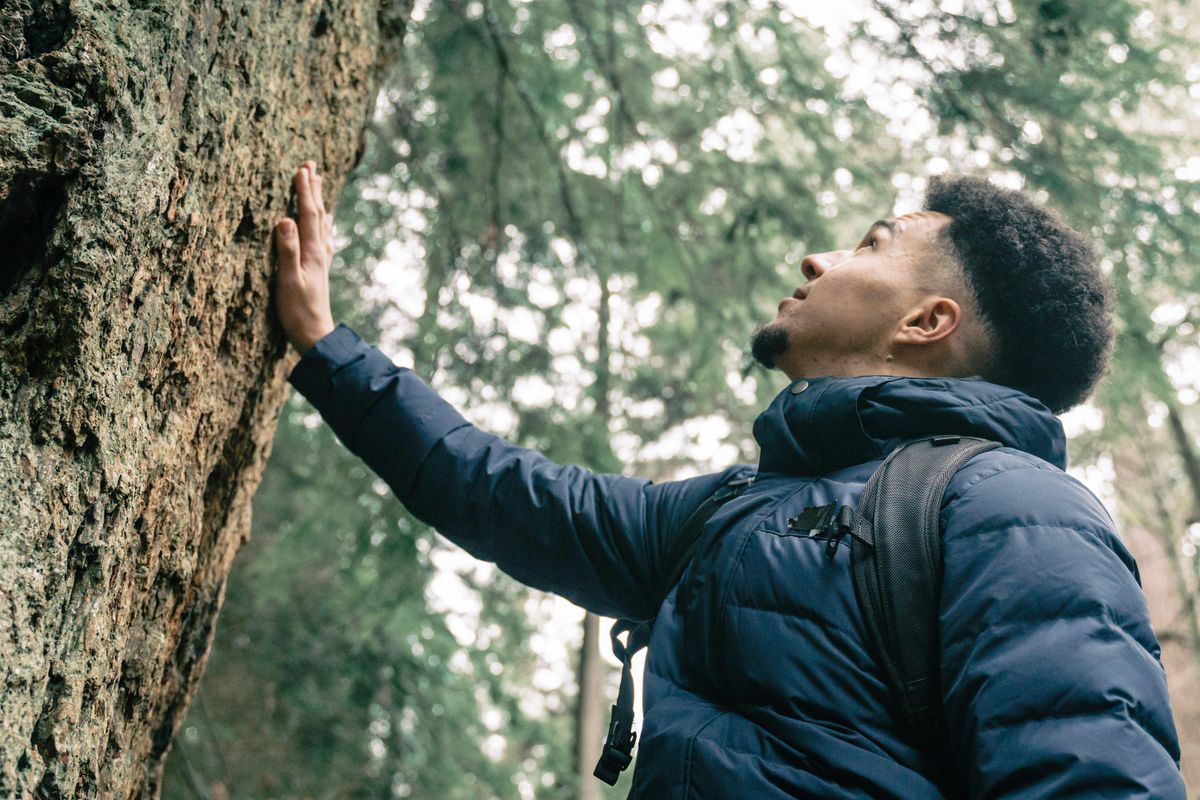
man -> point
(981, 315)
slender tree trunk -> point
(590, 725)
(591, 729)
(145, 151)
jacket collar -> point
(818, 425)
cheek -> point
(866, 311)
(852, 292)
(884, 299)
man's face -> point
(842, 320)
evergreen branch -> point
(606, 65)
(574, 223)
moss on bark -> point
(145, 151)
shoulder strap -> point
(618, 746)
(683, 548)
(896, 558)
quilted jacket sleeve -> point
(592, 538)
(1050, 669)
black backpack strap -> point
(618, 746)
(683, 549)
(896, 557)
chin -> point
(769, 344)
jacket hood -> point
(818, 425)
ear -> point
(930, 322)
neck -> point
(905, 362)
(850, 367)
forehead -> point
(914, 224)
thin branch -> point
(574, 223)
(190, 778)
(497, 159)
(606, 65)
(1160, 524)
(222, 765)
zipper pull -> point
(842, 524)
(814, 520)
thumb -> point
(287, 244)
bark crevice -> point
(143, 154)
(27, 216)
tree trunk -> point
(1151, 516)
(145, 151)
(590, 723)
(591, 726)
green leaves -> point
(525, 155)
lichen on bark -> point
(145, 151)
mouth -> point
(797, 295)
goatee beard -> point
(767, 344)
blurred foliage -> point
(537, 173)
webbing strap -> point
(618, 745)
(684, 547)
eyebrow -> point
(883, 223)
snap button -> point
(799, 387)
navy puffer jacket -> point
(758, 682)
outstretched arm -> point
(593, 538)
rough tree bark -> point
(146, 149)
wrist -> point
(305, 340)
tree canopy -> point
(569, 218)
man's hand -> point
(305, 252)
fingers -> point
(315, 223)
(317, 187)
(286, 245)
(310, 212)
(315, 184)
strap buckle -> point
(839, 526)
(732, 489)
(618, 747)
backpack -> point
(896, 561)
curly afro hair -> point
(1037, 286)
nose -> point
(814, 266)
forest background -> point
(569, 217)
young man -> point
(983, 315)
